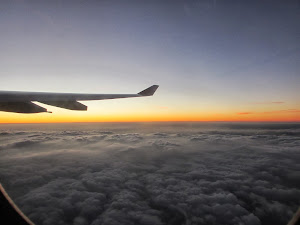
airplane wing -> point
(21, 102)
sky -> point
(214, 60)
(152, 173)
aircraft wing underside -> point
(21, 102)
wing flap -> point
(21, 107)
(72, 105)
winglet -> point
(149, 91)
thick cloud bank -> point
(153, 173)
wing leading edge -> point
(21, 102)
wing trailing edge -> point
(72, 105)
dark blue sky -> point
(223, 53)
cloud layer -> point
(154, 174)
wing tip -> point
(149, 91)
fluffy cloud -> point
(183, 174)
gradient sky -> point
(214, 60)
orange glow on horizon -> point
(172, 117)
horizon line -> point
(171, 121)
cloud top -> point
(154, 174)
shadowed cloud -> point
(155, 174)
(244, 113)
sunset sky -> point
(214, 60)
